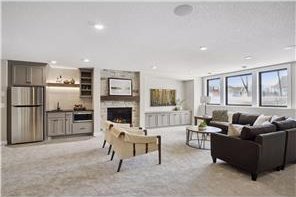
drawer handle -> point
(82, 128)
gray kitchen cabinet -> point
(69, 123)
(26, 73)
(165, 119)
(82, 127)
(55, 126)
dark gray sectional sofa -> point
(258, 148)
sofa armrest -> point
(290, 152)
(273, 150)
(238, 152)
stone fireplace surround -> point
(134, 105)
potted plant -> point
(202, 126)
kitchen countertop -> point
(66, 110)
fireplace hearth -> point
(120, 114)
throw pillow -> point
(261, 119)
(251, 132)
(230, 116)
(277, 118)
(234, 130)
(220, 115)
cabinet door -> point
(69, 124)
(37, 75)
(164, 118)
(21, 75)
(151, 120)
(188, 118)
(55, 126)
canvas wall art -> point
(162, 97)
(120, 87)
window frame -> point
(226, 90)
(219, 89)
(260, 88)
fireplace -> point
(120, 114)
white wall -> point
(96, 99)
(152, 82)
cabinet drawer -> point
(82, 127)
(56, 115)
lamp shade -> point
(205, 99)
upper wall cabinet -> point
(26, 73)
(86, 81)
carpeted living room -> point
(133, 98)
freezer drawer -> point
(26, 124)
(26, 96)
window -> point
(239, 90)
(213, 90)
(273, 88)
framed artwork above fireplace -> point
(120, 87)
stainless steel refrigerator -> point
(26, 114)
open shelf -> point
(62, 85)
(120, 98)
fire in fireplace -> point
(120, 114)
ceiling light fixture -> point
(203, 48)
(85, 60)
(99, 26)
(244, 66)
(183, 10)
(248, 57)
(154, 67)
(290, 47)
(209, 73)
(53, 62)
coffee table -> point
(201, 135)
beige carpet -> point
(80, 167)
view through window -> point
(213, 90)
(239, 90)
(274, 88)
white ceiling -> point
(140, 35)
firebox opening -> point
(120, 115)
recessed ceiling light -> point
(203, 48)
(183, 10)
(290, 47)
(248, 57)
(244, 66)
(85, 60)
(209, 73)
(53, 62)
(99, 26)
(154, 67)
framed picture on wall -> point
(162, 97)
(120, 87)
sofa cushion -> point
(235, 118)
(261, 119)
(245, 119)
(285, 124)
(251, 132)
(220, 115)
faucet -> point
(58, 106)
